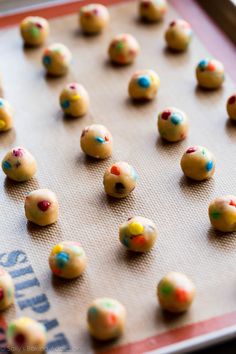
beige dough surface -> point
(106, 318)
(198, 163)
(56, 59)
(6, 112)
(231, 107)
(222, 213)
(7, 290)
(96, 141)
(210, 73)
(123, 49)
(175, 292)
(143, 85)
(178, 35)
(34, 30)
(41, 207)
(26, 336)
(138, 234)
(68, 259)
(74, 100)
(19, 165)
(173, 124)
(120, 180)
(152, 10)
(93, 18)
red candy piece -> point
(165, 115)
(111, 319)
(172, 23)
(232, 203)
(139, 240)
(1, 294)
(17, 152)
(39, 25)
(44, 205)
(191, 149)
(19, 339)
(106, 138)
(232, 100)
(211, 67)
(73, 86)
(181, 295)
(115, 170)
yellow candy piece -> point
(75, 98)
(2, 124)
(135, 228)
(58, 248)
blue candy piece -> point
(93, 311)
(144, 81)
(47, 60)
(176, 118)
(209, 165)
(1, 103)
(125, 242)
(100, 140)
(65, 104)
(134, 174)
(6, 165)
(62, 258)
(203, 64)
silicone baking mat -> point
(186, 241)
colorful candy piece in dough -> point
(210, 73)
(74, 100)
(123, 49)
(178, 35)
(34, 30)
(143, 85)
(173, 124)
(93, 18)
(152, 10)
(222, 213)
(56, 59)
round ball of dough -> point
(106, 318)
(138, 234)
(7, 290)
(120, 180)
(175, 292)
(34, 30)
(178, 35)
(231, 107)
(41, 207)
(222, 213)
(93, 18)
(96, 141)
(74, 100)
(210, 73)
(143, 85)
(68, 260)
(25, 335)
(123, 49)
(19, 165)
(152, 10)
(6, 112)
(57, 59)
(198, 163)
(173, 124)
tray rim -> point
(199, 334)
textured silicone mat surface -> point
(179, 207)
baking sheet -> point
(179, 207)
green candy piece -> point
(11, 329)
(166, 289)
(119, 46)
(34, 31)
(215, 214)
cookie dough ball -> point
(138, 234)
(19, 165)
(6, 290)
(175, 292)
(222, 213)
(68, 260)
(123, 49)
(173, 124)
(106, 318)
(6, 112)
(93, 18)
(210, 73)
(198, 163)
(178, 35)
(57, 59)
(34, 30)
(152, 10)
(74, 100)
(41, 207)
(120, 180)
(144, 85)
(231, 107)
(96, 141)
(26, 336)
